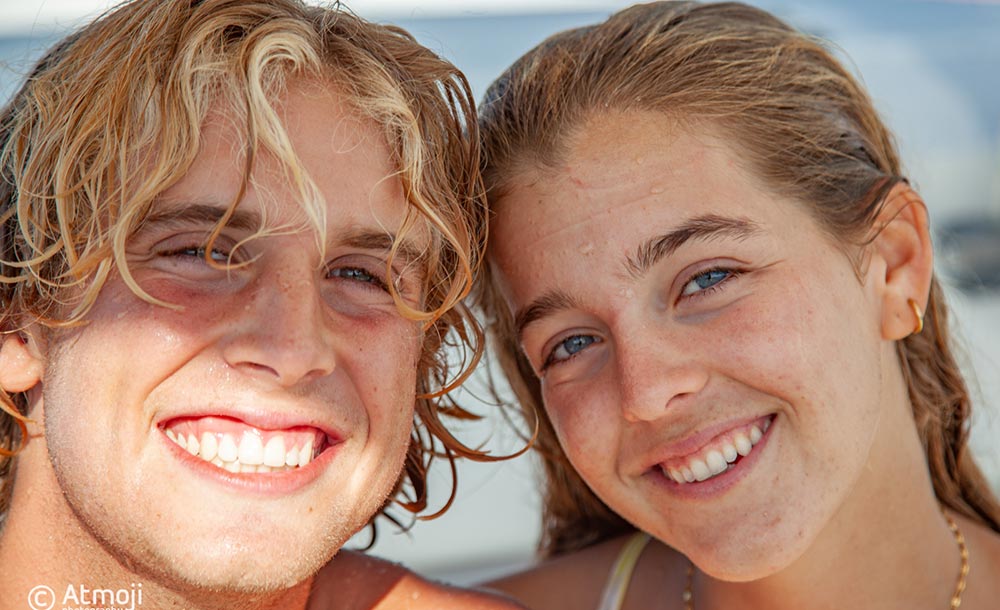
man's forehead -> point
(330, 171)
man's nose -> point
(285, 331)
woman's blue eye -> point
(705, 280)
(569, 347)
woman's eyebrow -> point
(647, 254)
(545, 305)
(702, 227)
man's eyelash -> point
(376, 280)
(196, 251)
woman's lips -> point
(718, 455)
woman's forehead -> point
(630, 164)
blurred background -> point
(933, 69)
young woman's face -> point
(711, 361)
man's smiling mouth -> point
(238, 447)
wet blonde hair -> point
(802, 123)
(112, 116)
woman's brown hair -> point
(111, 116)
(802, 123)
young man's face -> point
(237, 443)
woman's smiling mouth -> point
(719, 455)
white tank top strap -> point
(621, 572)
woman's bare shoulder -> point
(572, 581)
(355, 581)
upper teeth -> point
(250, 454)
(718, 457)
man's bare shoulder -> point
(354, 581)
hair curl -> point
(804, 125)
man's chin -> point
(229, 572)
(256, 564)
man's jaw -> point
(239, 447)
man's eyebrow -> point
(545, 305)
(249, 220)
(203, 213)
(702, 227)
(367, 239)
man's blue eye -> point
(577, 343)
(198, 252)
(217, 255)
(706, 280)
(358, 274)
(353, 274)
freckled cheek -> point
(138, 328)
(797, 350)
(586, 429)
(383, 360)
(767, 343)
(198, 311)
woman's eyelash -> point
(582, 343)
(713, 279)
(698, 285)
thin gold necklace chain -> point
(963, 551)
(956, 598)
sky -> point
(26, 15)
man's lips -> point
(239, 447)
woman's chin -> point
(746, 562)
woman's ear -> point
(21, 362)
(904, 246)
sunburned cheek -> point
(177, 290)
(186, 310)
(386, 355)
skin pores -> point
(671, 304)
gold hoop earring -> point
(920, 315)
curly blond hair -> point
(132, 89)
